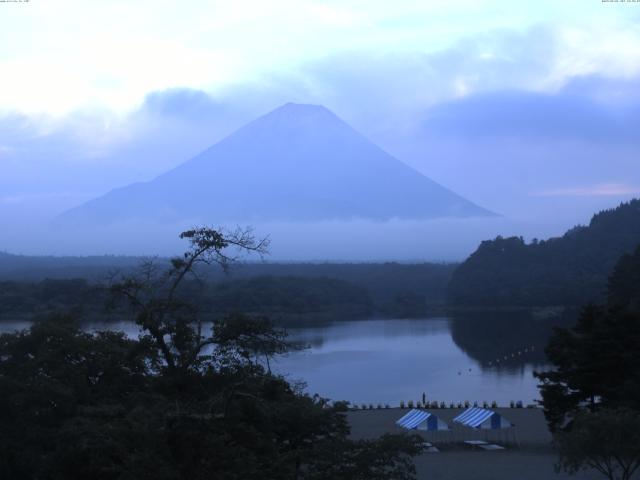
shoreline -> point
(533, 458)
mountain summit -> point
(296, 163)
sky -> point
(61, 56)
(529, 109)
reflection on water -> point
(385, 361)
(505, 341)
(371, 331)
(451, 359)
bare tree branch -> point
(152, 292)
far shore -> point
(540, 311)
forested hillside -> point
(569, 270)
(287, 300)
(289, 292)
(36, 268)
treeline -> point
(591, 393)
(288, 293)
(287, 300)
(290, 300)
(37, 268)
(27, 300)
(388, 283)
(597, 359)
(569, 270)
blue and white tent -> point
(482, 418)
(421, 420)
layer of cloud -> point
(528, 117)
(71, 55)
(541, 116)
(600, 190)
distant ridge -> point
(296, 163)
(569, 270)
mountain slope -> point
(569, 270)
(299, 162)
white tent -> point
(421, 420)
(483, 419)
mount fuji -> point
(296, 163)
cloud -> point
(87, 153)
(518, 69)
(43, 197)
(618, 92)
(488, 114)
(188, 103)
(5, 150)
(522, 114)
(503, 148)
(600, 190)
(111, 54)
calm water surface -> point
(386, 361)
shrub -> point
(607, 441)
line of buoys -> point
(514, 354)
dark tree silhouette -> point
(597, 362)
(154, 293)
(176, 403)
(568, 270)
(607, 441)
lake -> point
(452, 359)
(386, 361)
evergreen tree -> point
(568, 270)
(597, 362)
